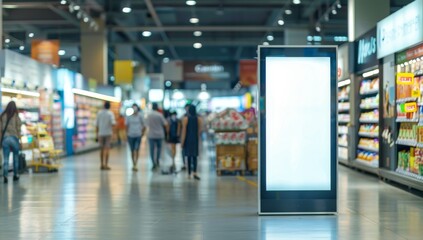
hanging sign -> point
(410, 107)
(46, 51)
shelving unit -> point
(368, 130)
(344, 119)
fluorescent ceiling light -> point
(296, 1)
(95, 95)
(194, 20)
(126, 9)
(21, 92)
(270, 37)
(281, 22)
(191, 2)
(198, 33)
(22, 48)
(160, 51)
(288, 11)
(63, 2)
(76, 7)
(371, 73)
(146, 34)
(61, 52)
(31, 35)
(7, 40)
(198, 45)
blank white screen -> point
(298, 123)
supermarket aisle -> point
(80, 202)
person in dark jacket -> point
(174, 135)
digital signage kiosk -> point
(298, 130)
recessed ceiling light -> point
(198, 33)
(191, 2)
(74, 58)
(166, 60)
(265, 43)
(126, 9)
(160, 51)
(338, 5)
(76, 7)
(61, 52)
(318, 29)
(63, 2)
(7, 40)
(86, 19)
(288, 11)
(146, 34)
(194, 20)
(31, 35)
(281, 22)
(270, 37)
(296, 1)
(197, 45)
(334, 12)
(22, 48)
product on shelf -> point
(367, 156)
(370, 116)
(371, 102)
(407, 133)
(229, 120)
(343, 106)
(343, 117)
(342, 129)
(343, 93)
(343, 140)
(369, 129)
(407, 112)
(343, 152)
(369, 143)
(369, 86)
(228, 138)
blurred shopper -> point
(174, 136)
(105, 122)
(191, 131)
(156, 124)
(120, 127)
(135, 131)
(184, 159)
(10, 139)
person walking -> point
(10, 139)
(135, 131)
(105, 122)
(120, 127)
(157, 125)
(174, 136)
(191, 131)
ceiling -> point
(231, 29)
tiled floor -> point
(80, 202)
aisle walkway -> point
(80, 202)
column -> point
(94, 51)
(296, 36)
(363, 15)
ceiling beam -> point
(35, 22)
(312, 7)
(206, 28)
(66, 15)
(160, 26)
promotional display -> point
(287, 184)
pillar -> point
(94, 51)
(124, 52)
(363, 15)
(1, 26)
(296, 36)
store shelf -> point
(371, 135)
(342, 145)
(369, 107)
(408, 120)
(410, 143)
(344, 121)
(404, 100)
(402, 178)
(342, 133)
(369, 121)
(343, 109)
(365, 166)
(370, 149)
(419, 145)
(343, 161)
(418, 73)
(372, 92)
(343, 99)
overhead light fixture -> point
(160, 51)
(21, 92)
(22, 48)
(74, 58)
(270, 37)
(318, 28)
(126, 9)
(281, 22)
(197, 45)
(166, 60)
(79, 15)
(266, 43)
(31, 35)
(61, 52)
(296, 1)
(7, 40)
(177, 95)
(204, 96)
(191, 2)
(76, 7)
(198, 33)
(288, 11)
(194, 20)
(371, 73)
(95, 95)
(146, 34)
(326, 17)
(334, 12)
(63, 2)
(86, 19)
(338, 4)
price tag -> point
(405, 79)
(410, 107)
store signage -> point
(408, 55)
(287, 184)
(248, 72)
(400, 30)
(365, 54)
(46, 51)
(405, 78)
(124, 72)
(410, 107)
(208, 70)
